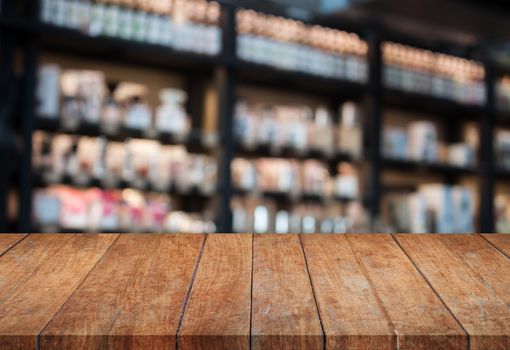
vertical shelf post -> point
(226, 87)
(487, 168)
(30, 54)
(27, 127)
(7, 100)
(373, 122)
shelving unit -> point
(287, 152)
(28, 35)
(193, 141)
(427, 168)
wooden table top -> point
(149, 291)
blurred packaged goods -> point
(187, 25)
(64, 208)
(432, 208)
(293, 45)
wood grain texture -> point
(420, 319)
(489, 263)
(351, 313)
(133, 298)
(476, 303)
(36, 278)
(218, 312)
(500, 241)
(8, 240)
(284, 311)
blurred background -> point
(255, 116)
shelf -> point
(193, 141)
(193, 192)
(503, 174)
(286, 197)
(288, 152)
(61, 230)
(424, 167)
(272, 77)
(438, 107)
(503, 119)
(387, 189)
(120, 50)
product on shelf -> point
(83, 97)
(252, 214)
(187, 25)
(503, 93)
(295, 178)
(349, 137)
(502, 213)
(82, 94)
(298, 128)
(461, 154)
(502, 148)
(48, 91)
(171, 115)
(420, 142)
(292, 45)
(433, 208)
(426, 72)
(66, 208)
(394, 142)
(423, 141)
(137, 112)
(346, 182)
(140, 163)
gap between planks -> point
(38, 336)
(313, 292)
(15, 243)
(188, 292)
(493, 244)
(468, 338)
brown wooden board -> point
(217, 315)
(8, 240)
(479, 306)
(500, 241)
(37, 276)
(481, 256)
(284, 311)
(351, 313)
(420, 319)
(133, 298)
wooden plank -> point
(351, 313)
(490, 264)
(473, 301)
(500, 241)
(133, 298)
(36, 278)
(8, 240)
(218, 313)
(284, 312)
(420, 319)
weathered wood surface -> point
(478, 302)
(420, 319)
(7, 241)
(284, 312)
(351, 312)
(37, 276)
(501, 242)
(218, 312)
(133, 298)
(353, 292)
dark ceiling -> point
(463, 22)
